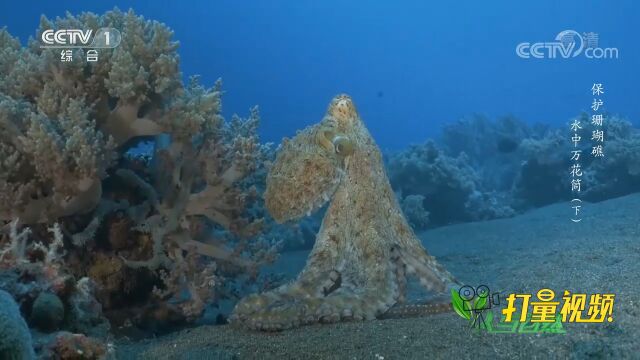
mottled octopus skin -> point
(364, 250)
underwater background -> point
(411, 66)
(148, 210)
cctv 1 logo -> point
(104, 38)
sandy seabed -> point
(539, 249)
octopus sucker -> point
(364, 250)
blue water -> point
(411, 66)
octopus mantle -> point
(365, 248)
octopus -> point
(364, 251)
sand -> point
(538, 249)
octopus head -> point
(309, 167)
(343, 111)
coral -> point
(15, 339)
(549, 149)
(14, 250)
(484, 169)
(413, 210)
(108, 272)
(46, 265)
(516, 165)
(69, 346)
(36, 276)
(542, 175)
(198, 181)
(66, 129)
(128, 90)
(85, 312)
(492, 147)
(51, 166)
(489, 205)
(53, 155)
(47, 312)
(187, 277)
(61, 122)
(481, 138)
(365, 249)
(445, 182)
(618, 172)
(200, 184)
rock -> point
(47, 312)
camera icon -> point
(468, 294)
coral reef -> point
(413, 210)
(515, 164)
(450, 187)
(491, 146)
(35, 275)
(65, 345)
(544, 176)
(162, 234)
(443, 181)
(29, 269)
(482, 169)
(618, 172)
(199, 185)
(53, 155)
(544, 171)
(365, 249)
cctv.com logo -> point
(568, 44)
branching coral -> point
(50, 168)
(61, 121)
(199, 177)
(14, 252)
(189, 282)
(127, 90)
(53, 155)
(36, 276)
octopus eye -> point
(343, 145)
(338, 143)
